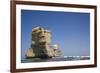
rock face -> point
(40, 45)
(30, 53)
(56, 50)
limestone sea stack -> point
(41, 45)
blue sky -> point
(70, 30)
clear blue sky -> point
(70, 30)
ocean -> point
(25, 60)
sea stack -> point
(40, 45)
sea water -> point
(25, 60)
